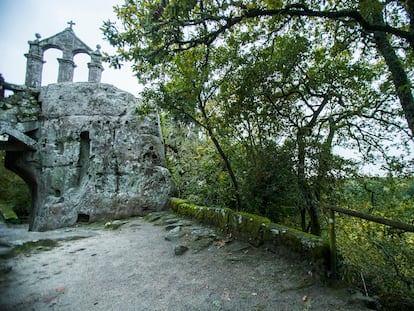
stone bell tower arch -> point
(70, 45)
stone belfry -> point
(70, 45)
(83, 150)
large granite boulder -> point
(95, 157)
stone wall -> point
(255, 229)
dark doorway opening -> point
(82, 218)
(15, 193)
(84, 153)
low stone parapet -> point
(253, 228)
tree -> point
(257, 74)
(189, 92)
(154, 31)
(196, 166)
(275, 94)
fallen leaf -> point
(219, 244)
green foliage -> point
(196, 167)
(14, 191)
(268, 182)
(381, 196)
(382, 254)
(410, 191)
(383, 258)
(7, 214)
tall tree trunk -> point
(325, 158)
(223, 155)
(306, 196)
(301, 178)
(207, 126)
(399, 76)
(228, 167)
(306, 193)
(314, 219)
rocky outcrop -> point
(95, 157)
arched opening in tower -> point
(81, 71)
(50, 70)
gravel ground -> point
(168, 264)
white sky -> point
(21, 19)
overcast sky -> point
(21, 19)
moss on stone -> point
(35, 246)
(248, 226)
(224, 217)
(7, 213)
(254, 228)
(296, 240)
(175, 203)
(207, 215)
(192, 210)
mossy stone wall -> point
(254, 228)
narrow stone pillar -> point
(95, 66)
(34, 64)
(66, 69)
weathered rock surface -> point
(95, 157)
(180, 250)
(190, 235)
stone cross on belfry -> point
(71, 23)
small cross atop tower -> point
(71, 23)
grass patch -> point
(31, 247)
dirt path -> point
(137, 267)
